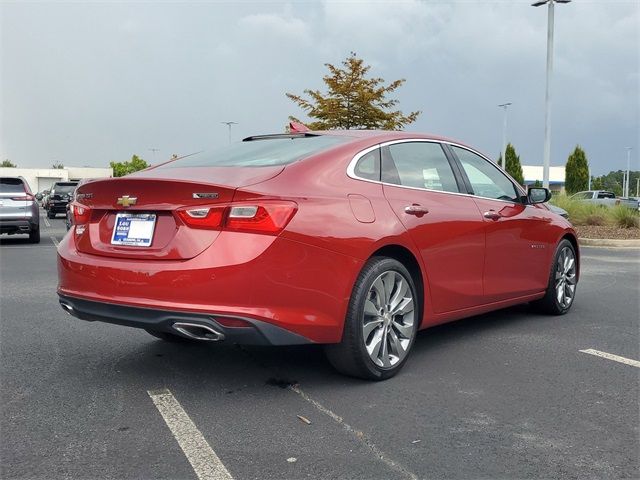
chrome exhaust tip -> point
(197, 331)
(67, 308)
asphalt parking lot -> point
(504, 395)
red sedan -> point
(353, 239)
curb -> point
(609, 242)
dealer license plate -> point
(133, 229)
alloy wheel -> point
(389, 316)
(565, 277)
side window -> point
(486, 180)
(419, 165)
(368, 166)
(606, 195)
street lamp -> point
(504, 135)
(547, 116)
(228, 124)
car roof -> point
(377, 136)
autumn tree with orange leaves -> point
(353, 101)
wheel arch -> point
(574, 241)
(408, 259)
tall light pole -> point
(626, 190)
(547, 115)
(504, 106)
(228, 124)
(154, 150)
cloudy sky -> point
(85, 83)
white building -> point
(531, 173)
(40, 179)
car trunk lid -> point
(159, 194)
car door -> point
(516, 261)
(421, 188)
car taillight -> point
(81, 214)
(23, 198)
(266, 217)
(210, 218)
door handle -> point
(415, 209)
(492, 215)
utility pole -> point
(504, 106)
(626, 190)
(547, 116)
(228, 124)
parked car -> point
(605, 198)
(60, 195)
(352, 239)
(560, 211)
(41, 197)
(69, 213)
(19, 212)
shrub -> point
(625, 217)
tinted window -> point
(486, 179)
(260, 153)
(62, 189)
(605, 195)
(11, 185)
(369, 166)
(419, 165)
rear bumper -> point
(58, 208)
(25, 225)
(294, 287)
(259, 333)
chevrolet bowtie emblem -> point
(127, 201)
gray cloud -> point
(87, 83)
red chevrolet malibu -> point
(353, 239)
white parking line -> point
(201, 456)
(46, 221)
(611, 356)
(360, 436)
(55, 241)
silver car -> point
(19, 211)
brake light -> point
(81, 214)
(24, 198)
(268, 218)
(210, 218)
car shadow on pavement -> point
(15, 240)
(219, 365)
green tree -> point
(513, 166)
(8, 163)
(120, 169)
(537, 183)
(353, 100)
(57, 166)
(576, 172)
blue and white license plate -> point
(133, 229)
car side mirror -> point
(538, 195)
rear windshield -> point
(61, 189)
(260, 153)
(11, 185)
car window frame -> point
(454, 167)
(521, 194)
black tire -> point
(170, 337)
(550, 304)
(350, 356)
(34, 235)
(50, 214)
